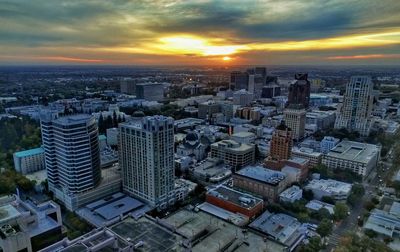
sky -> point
(203, 32)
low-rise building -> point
(316, 205)
(312, 156)
(235, 201)
(29, 161)
(261, 181)
(386, 223)
(210, 170)
(361, 158)
(24, 225)
(280, 227)
(233, 153)
(291, 194)
(337, 190)
(328, 143)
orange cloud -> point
(364, 56)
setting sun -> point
(226, 58)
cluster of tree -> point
(17, 134)
(10, 180)
(314, 245)
(109, 122)
(76, 226)
(324, 228)
(167, 110)
(356, 243)
(357, 191)
(369, 205)
(338, 133)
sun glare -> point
(226, 58)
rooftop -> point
(281, 227)
(73, 119)
(317, 205)
(235, 197)
(291, 192)
(30, 152)
(209, 233)
(354, 151)
(232, 145)
(147, 232)
(329, 185)
(262, 174)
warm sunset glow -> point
(226, 58)
(193, 45)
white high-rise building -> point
(146, 157)
(72, 153)
(296, 120)
(355, 114)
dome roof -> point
(138, 114)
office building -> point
(258, 180)
(270, 91)
(242, 97)
(299, 92)
(26, 226)
(355, 113)
(328, 143)
(29, 161)
(235, 201)
(291, 194)
(150, 91)
(360, 158)
(234, 154)
(337, 190)
(207, 109)
(239, 80)
(146, 150)
(128, 86)
(281, 227)
(296, 120)
(72, 153)
(281, 143)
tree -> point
(325, 228)
(340, 211)
(114, 119)
(323, 213)
(314, 245)
(328, 199)
(308, 194)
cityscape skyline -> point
(200, 32)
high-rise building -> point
(72, 153)
(296, 120)
(299, 92)
(146, 157)
(128, 86)
(355, 114)
(150, 91)
(281, 143)
(239, 80)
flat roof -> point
(329, 185)
(209, 233)
(8, 212)
(153, 236)
(118, 207)
(262, 174)
(29, 152)
(281, 227)
(238, 198)
(291, 192)
(102, 137)
(355, 151)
